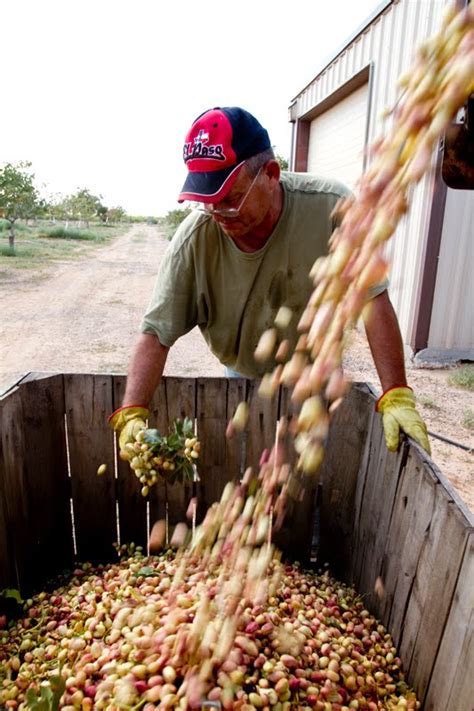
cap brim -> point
(209, 186)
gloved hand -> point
(398, 410)
(128, 420)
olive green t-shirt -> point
(233, 296)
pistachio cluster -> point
(172, 458)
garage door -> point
(337, 137)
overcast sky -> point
(100, 93)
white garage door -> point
(336, 139)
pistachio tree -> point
(19, 197)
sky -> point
(101, 93)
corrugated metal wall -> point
(388, 44)
(452, 321)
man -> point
(245, 251)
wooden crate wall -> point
(54, 435)
(35, 516)
(404, 538)
(385, 518)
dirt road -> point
(83, 316)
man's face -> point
(248, 203)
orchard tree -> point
(83, 205)
(116, 214)
(19, 198)
(54, 208)
(103, 213)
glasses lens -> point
(225, 211)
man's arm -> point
(385, 341)
(145, 370)
(397, 404)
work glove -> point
(128, 421)
(398, 410)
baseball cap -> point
(215, 149)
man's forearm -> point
(145, 370)
(385, 341)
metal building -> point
(335, 117)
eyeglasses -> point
(224, 211)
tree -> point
(116, 214)
(282, 161)
(83, 205)
(19, 198)
(103, 213)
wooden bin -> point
(384, 517)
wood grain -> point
(211, 427)
(452, 683)
(91, 443)
(347, 436)
(131, 503)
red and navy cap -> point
(215, 149)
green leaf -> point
(46, 695)
(31, 697)
(188, 428)
(174, 440)
(188, 471)
(146, 571)
(153, 437)
(50, 695)
(11, 593)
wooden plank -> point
(452, 682)
(7, 569)
(157, 497)
(35, 510)
(235, 448)
(294, 538)
(438, 566)
(263, 417)
(47, 479)
(411, 520)
(131, 504)
(9, 412)
(374, 515)
(181, 403)
(89, 401)
(404, 510)
(21, 555)
(347, 436)
(211, 427)
(353, 571)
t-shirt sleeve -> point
(172, 311)
(378, 289)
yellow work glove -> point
(398, 410)
(128, 421)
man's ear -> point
(272, 169)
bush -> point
(173, 219)
(468, 420)
(19, 227)
(7, 251)
(463, 377)
(63, 233)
